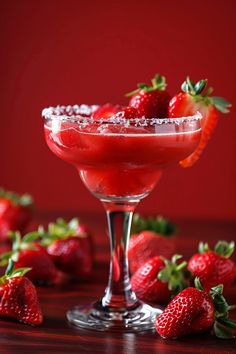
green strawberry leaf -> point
(220, 104)
(174, 274)
(20, 272)
(203, 247)
(31, 237)
(226, 322)
(224, 249)
(222, 331)
(156, 224)
(10, 268)
(158, 83)
(19, 200)
(198, 284)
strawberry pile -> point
(155, 102)
(191, 310)
(64, 248)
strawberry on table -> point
(193, 311)
(195, 97)
(69, 246)
(106, 110)
(18, 297)
(26, 252)
(151, 101)
(159, 278)
(150, 237)
(15, 212)
(214, 266)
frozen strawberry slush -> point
(117, 161)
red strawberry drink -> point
(120, 160)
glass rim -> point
(83, 114)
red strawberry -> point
(195, 98)
(214, 267)
(18, 297)
(158, 279)
(106, 111)
(128, 112)
(70, 247)
(15, 212)
(151, 101)
(194, 310)
(27, 253)
(149, 239)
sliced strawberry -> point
(158, 279)
(106, 111)
(18, 297)
(151, 101)
(197, 98)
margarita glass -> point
(120, 161)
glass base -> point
(96, 317)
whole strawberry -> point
(27, 253)
(70, 247)
(214, 267)
(151, 101)
(150, 238)
(15, 212)
(18, 297)
(193, 311)
(158, 279)
(195, 97)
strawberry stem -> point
(158, 83)
(173, 274)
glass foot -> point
(96, 317)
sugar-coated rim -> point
(83, 114)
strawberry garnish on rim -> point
(128, 112)
(151, 101)
(106, 110)
(196, 97)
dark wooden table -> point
(56, 335)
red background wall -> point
(72, 51)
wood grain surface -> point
(56, 335)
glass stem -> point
(119, 295)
